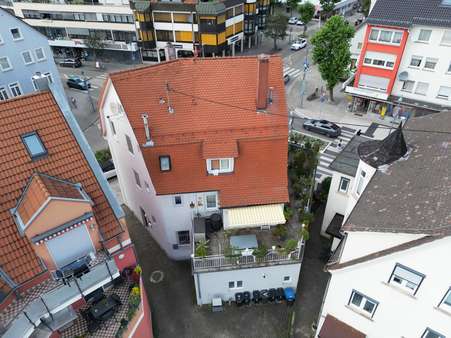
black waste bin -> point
(264, 296)
(272, 295)
(246, 297)
(279, 295)
(239, 298)
(256, 298)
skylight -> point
(34, 145)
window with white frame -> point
(183, 237)
(3, 94)
(360, 182)
(415, 61)
(430, 63)
(27, 57)
(137, 178)
(236, 284)
(385, 36)
(15, 89)
(231, 284)
(424, 35)
(407, 86)
(211, 199)
(446, 38)
(39, 52)
(363, 303)
(165, 163)
(5, 64)
(287, 279)
(380, 60)
(344, 184)
(16, 34)
(178, 200)
(220, 165)
(406, 278)
(444, 92)
(446, 300)
(422, 88)
(429, 333)
(49, 77)
(129, 144)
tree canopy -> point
(331, 50)
(327, 6)
(276, 28)
(306, 12)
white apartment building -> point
(68, 25)
(387, 277)
(188, 172)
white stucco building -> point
(197, 175)
(387, 277)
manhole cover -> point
(156, 276)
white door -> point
(70, 246)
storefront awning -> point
(255, 216)
(372, 94)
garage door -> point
(70, 246)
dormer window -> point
(34, 145)
(219, 165)
(165, 163)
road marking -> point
(292, 72)
(94, 87)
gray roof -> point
(411, 195)
(347, 161)
(405, 13)
(210, 8)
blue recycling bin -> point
(289, 295)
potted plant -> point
(201, 249)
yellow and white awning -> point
(252, 217)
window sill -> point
(413, 67)
(443, 98)
(444, 311)
(428, 70)
(421, 94)
(406, 91)
(423, 42)
(401, 290)
(363, 314)
(384, 43)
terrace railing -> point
(222, 262)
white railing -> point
(219, 262)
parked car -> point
(74, 63)
(323, 127)
(78, 83)
(299, 44)
(286, 78)
(293, 20)
(299, 23)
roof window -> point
(34, 145)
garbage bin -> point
(239, 298)
(272, 295)
(246, 297)
(289, 295)
(279, 295)
(256, 298)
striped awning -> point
(254, 216)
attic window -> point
(34, 145)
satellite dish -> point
(403, 76)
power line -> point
(229, 105)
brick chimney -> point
(262, 81)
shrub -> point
(287, 212)
(304, 233)
(306, 217)
(261, 251)
(290, 246)
(103, 155)
(280, 231)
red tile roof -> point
(334, 328)
(39, 189)
(214, 108)
(39, 112)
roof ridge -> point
(25, 96)
(142, 67)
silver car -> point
(322, 127)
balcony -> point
(245, 248)
(54, 303)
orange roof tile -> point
(39, 189)
(39, 112)
(214, 109)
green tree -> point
(331, 51)
(306, 12)
(276, 28)
(327, 7)
(366, 4)
(94, 43)
(292, 4)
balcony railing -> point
(222, 262)
(59, 298)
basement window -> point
(34, 145)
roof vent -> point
(149, 142)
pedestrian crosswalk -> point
(331, 151)
(292, 72)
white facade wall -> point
(357, 42)
(337, 201)
(210, 285)
(354, 196)
(362, 243)
(440, 76)
(166, 218)
(399, 314)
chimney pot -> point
(262, 81)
